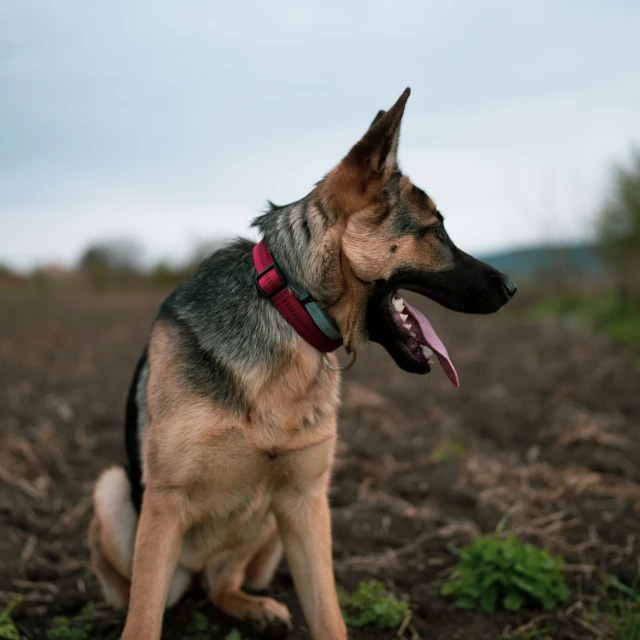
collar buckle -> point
(277, 289)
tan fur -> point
(114, 585)
(263, 565)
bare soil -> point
(541, 438)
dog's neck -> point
(305, 238)
(294, 302)
(298, 236)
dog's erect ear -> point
(378, 116)
(363, 171)
(377, 150)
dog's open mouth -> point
(414, 338)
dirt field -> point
(542, 434)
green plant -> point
(623, 613)
(494, 571)
(624, 618)
(449, 449)
(69, 629)
(8, 629)
(76, 628)
(198, 624)
(370, 605)
(608, 312)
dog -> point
(231, 415)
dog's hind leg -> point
(225, 576)
(263, 565)
(111, 541)
(111, 535)
(115, 586)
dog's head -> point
(392, 237)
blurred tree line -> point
(111, 261)
(619, 229)
(111, 264)
(612, 306)
(118, 263)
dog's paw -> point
(271, 619)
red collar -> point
(274, 287)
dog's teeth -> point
(407, 326)
(427, 353)
(404, 317)
(398, 304)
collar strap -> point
(305, 316)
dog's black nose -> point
(509, 287)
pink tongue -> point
(435, 344)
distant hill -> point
(581, 259)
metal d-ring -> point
(345, 368)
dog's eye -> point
(433, 230)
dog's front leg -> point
(157, 547)
(305, 527)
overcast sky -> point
(172, 122)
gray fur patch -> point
(225, 327)
(141, 401)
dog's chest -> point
(244, 463)
(294, 411)
(230, 466)
(236, 502)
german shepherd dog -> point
(231, 416)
